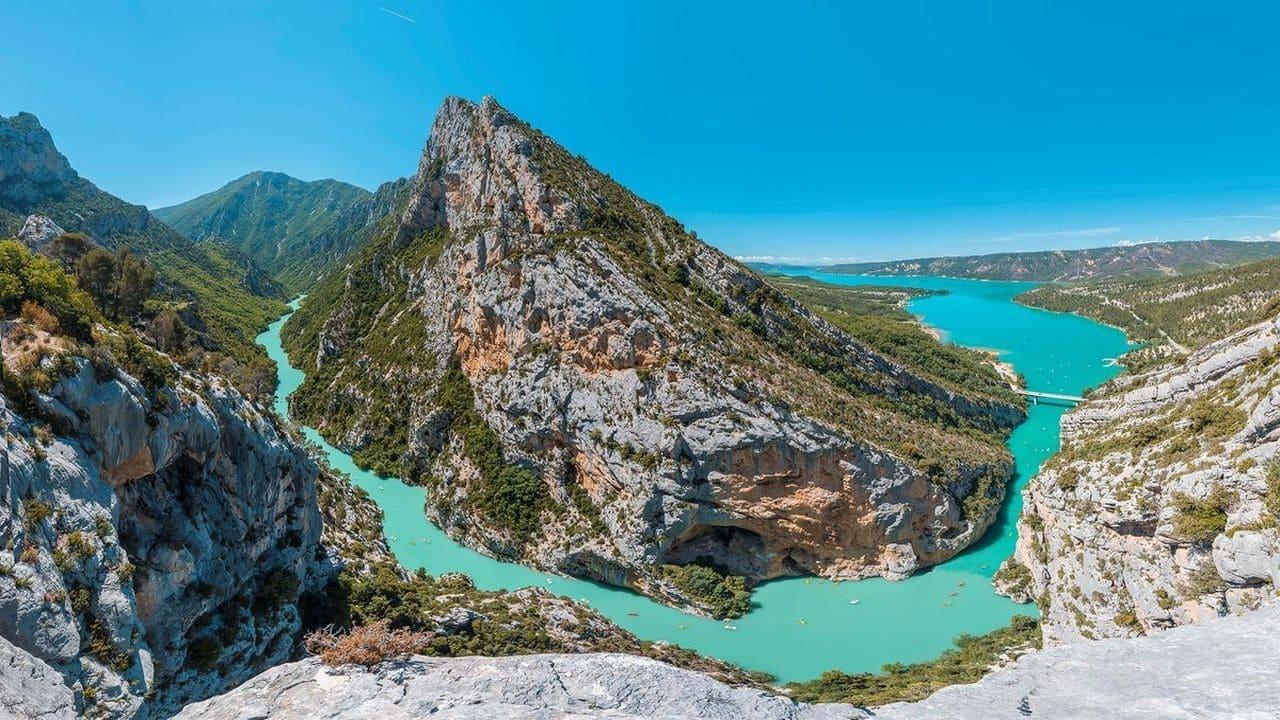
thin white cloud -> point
(796, 259)
(1041, 234)
(1221, 218)
(393, 13)
(1270, 237)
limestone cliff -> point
(582, 384)
(1223, 670)
(1163, 507)
(153, 540)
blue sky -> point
(798, 130)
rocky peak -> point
(480, 167)
(30, 165)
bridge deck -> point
(1049, 395)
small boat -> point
(633, 614)
(550, 580)
(802, 621)
(946, 604)
(960, 584)
(854, 601)
(730, 627)
(584, 601)
(682, 627)
(954, 593)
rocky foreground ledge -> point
(1222, 669)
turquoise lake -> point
(799, 627)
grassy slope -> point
(1189, 310)
(293, 228)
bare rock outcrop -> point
(1163, 507)
(155, 540)
(38, 232)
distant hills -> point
(228, 298)
(296, 229)
(1147, 260)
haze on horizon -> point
(816, 133)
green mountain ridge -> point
(296, 229)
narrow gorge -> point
(537, 417)
(582, 385)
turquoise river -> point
(799, 627)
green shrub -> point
(721, 594)
(102, 647)
(35, 511)
(27, 277)
(1014, 577)
(1200, 521)
(1203, 580)
(1271, 496)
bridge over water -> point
(1036, 395)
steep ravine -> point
(907, 621)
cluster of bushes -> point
(721, 594)
(1271, 496)
(1014, 577)
(384, 595)
(1201, 520)
(971, 659)
(53, 297)
(367, 645)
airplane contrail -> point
(406, 18)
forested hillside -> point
(1172, 316)
(295, 229)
